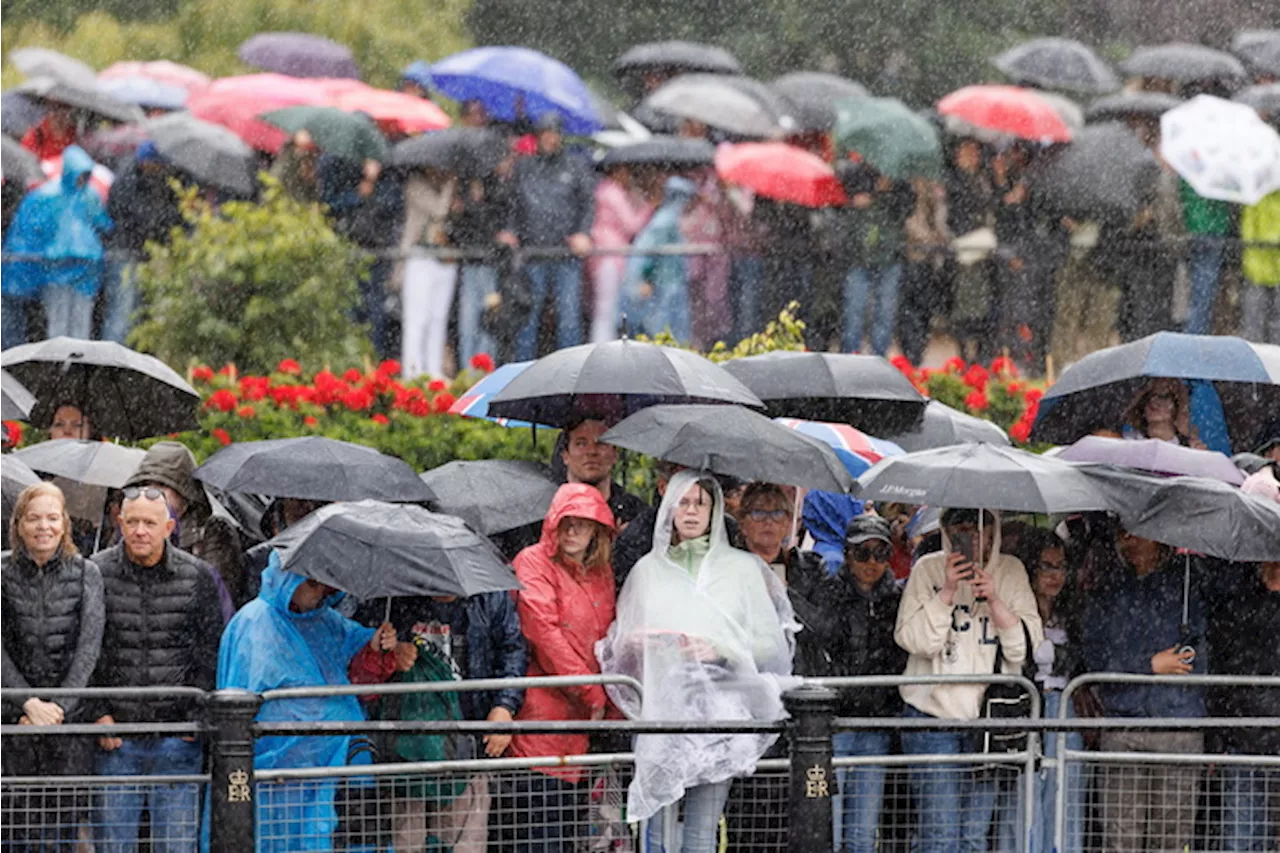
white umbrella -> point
(1223, 149)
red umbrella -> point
(236, 102)
(779, 171)
(162, 71)
(391, 110)
(1010, 110)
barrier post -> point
(231, 812)
(812, 776)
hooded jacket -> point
(563, 613)
(60, 221)
(961, 638)
(668, 306)
(826, 516)
(1246, 641)
(856, 629)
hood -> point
(170, 464)
(75, 162)
(995, 537)
(680, 484)
(576, 500)
(278, 587)
(826, 515)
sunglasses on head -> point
(863, 553)
(151, 493)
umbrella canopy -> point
(469, 151)
(393, 110)
(209, 153)
(237, 102)
(91, 100)
(1006, 110)
(612, 380)
(1183, 63)
(373, 550)
(516, 82)
(1057, 63)
(20, 165)
(92, 463)
(1264, 98)
(1260, 50)
(14, 477)
(1068, 110)
(674, 57)
(1094, 393)
(814, 95)
(298, 55)
(944, 426)
(18, 114)
(779, 171)
(864, 391)
(346, 135)
(43, 62)
(475, 403)
(670, 152)
(857, 450)
(780, 106)
(17, 400)
(116, 145)
(890, 137)
(1105, 174)
(160, 70)
(145, 92)
(733, 441)
(982, 476)
(1223, 149)
(312, 468)
(715, 102)
(492, 495)
(125, 394)
(1152, 454)
(1148, 105)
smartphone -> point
(962, 543)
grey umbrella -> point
(43, 62)
(1057, 63)
(1104, 175)
(18, 113)
(709, 99)
(1264, 99)
(1182, 62)
(814, 95)
(1260, 50)
(91, 100)
(674, 152)
(492, 495)
(299, 55)
(674, 56)
(1148, 105)
(18, 401)
(208, 152)
(944, 426)
(374, 550)
(91, 463)
(20, 165)
(467, 151)
(733, 441)
(14, 477)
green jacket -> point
(1204, 216)
(1260, 223)
(690, 553)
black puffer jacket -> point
(163, 628)
(52, 620)
(857, 632)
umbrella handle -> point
(387, 616)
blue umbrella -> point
(505, 78)
(146, 93)
(419, 72)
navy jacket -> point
(552, 197)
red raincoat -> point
(563, 613)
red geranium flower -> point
(222, 435)
(976, 401)
(388, 368)
(12, 433)
(1020, 431)
(1014, 387)
(352, 375)
(443, 402)
(1033, 395)
(223, 400)
(254, 387)
(435, 386)
(247, 412)
(903, 364)
(482, 361)
(380, 419)
(955, 364)
(1003, 366)
(310, 420)
(976, 377)
(288, 365)
(419, 407)
(358, 400)
(226, 370)
(202, 373)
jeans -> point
(565, 279)
(67, 312)
(861, 789)
(475, 282)
(13, 321)
(746, 274)
(887, 281)
(373, 306)
(555, 810)
(1047, 787)
(1204, 263)
(175, 809)
(1247, 821)
(954, 802)
(121, 300)
(703, 805)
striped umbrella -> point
(475, 403)
(857, 450)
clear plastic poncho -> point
(712, 641)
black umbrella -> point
(1260, 50)
(14, 477)
(17, 115)
(1146, 105)
(982, 476)
(208, 152)
(126, 394)
(18, 401)
(492, 495)
(673, 57)
(312, 468)
(1264, 99)
(613, 380)
(814, 94)
(733, 441)
(1104, 175)
(374, 550)
(1057, 63)
(1182, 62)
(468, 151)
(944, 426)
(91, 463)
(670, 152)
(712, 99)
(864, 391)
(21, 167)
(95, 101)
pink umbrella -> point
(162, 71)
(236, 102)
(395, 110)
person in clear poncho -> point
(707, 630)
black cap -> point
(864, 528)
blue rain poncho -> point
(667, 308)
(268, 646)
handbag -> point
(1005, 702)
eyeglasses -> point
(763, 515)
(151, 493)
(867, 553)
(691, 505)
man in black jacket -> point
(163, 627)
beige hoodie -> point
(961, 639)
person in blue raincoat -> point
(826, 516)
(290, 636)
(63, 222)
(655, 295)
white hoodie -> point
(961, 639)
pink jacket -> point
(620, 215)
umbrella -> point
(1264, 98)
(90, 100)
(733, 441)
(145, 92)
(43, 62)
(1057, 63)
(492, 495)
(612, 380)
(14, 477)
(668, 152)
(20, 165)
(475, 403)
(1224, 150)
(1094, 392)
(1152, 454)
(209, 153)
(516, 82)
(982, 476)
(674, 57)
(1150, 105)
(418, 72)
(160, 70)
(372, 550)
(1007, 111)
(126, 394)
(312, 468)
(468, 151)
(781, 107)
(717, 103)
(890, 137)
(857, 450)
(864, 391)
(18, 114)
(1068, 110)
(236, 103)
(116, 145)
(404, 113)
(944, 426)
(91, 463)
(347, 135)
(17, 400)
(779, 171)
(1260, 50)
(814, 95)
(299, 55)
(1105, 174)
(1183, 63)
